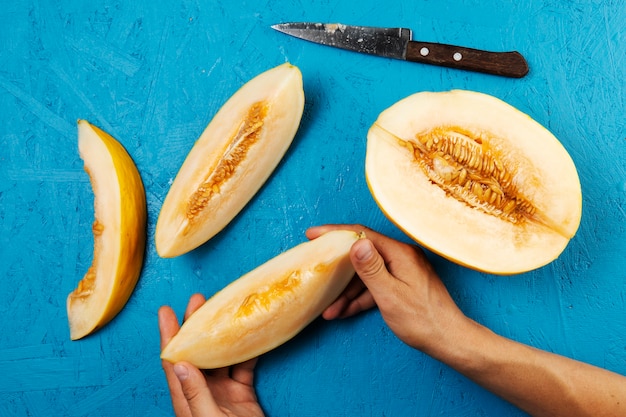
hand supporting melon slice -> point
(267, 306)
(119, 232)
(475, 180)
(231, 160)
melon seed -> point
(97, 228)
(86, 285)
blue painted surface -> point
(152, 73)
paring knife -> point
(397, 43)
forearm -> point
(418, 308)
(538, 382)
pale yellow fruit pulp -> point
(267, 306)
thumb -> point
(370, 266)
(195, 389)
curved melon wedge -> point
(267, 306)
(231, 160)
(475, 180)
(119, 232)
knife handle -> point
(506, 64)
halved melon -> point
(267, 306)
(234, 156)
(475, 180)
(119, 232)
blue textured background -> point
(152, 73)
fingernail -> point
(181, 371)
(364, 251)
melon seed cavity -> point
(462, 164)
(247, 135)
(274, 293)
(86, 285)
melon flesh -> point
(119, 232)
(513, 213)
(267, 306)
(231, 160)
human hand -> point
(399, 279)
(210, 393)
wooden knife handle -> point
(506, 64)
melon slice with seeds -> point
(267, 306)
(119, 232)
(475, 180)
(232, 159)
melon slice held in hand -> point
(475, 180)
(119, 232)
(267, 306)
(232, 159)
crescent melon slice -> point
(267, 306)
(232, 159)
(119, 232)
(475, 180)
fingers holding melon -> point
(119, 232)
(475, 180)
(231, 160)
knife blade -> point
(398, 43)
